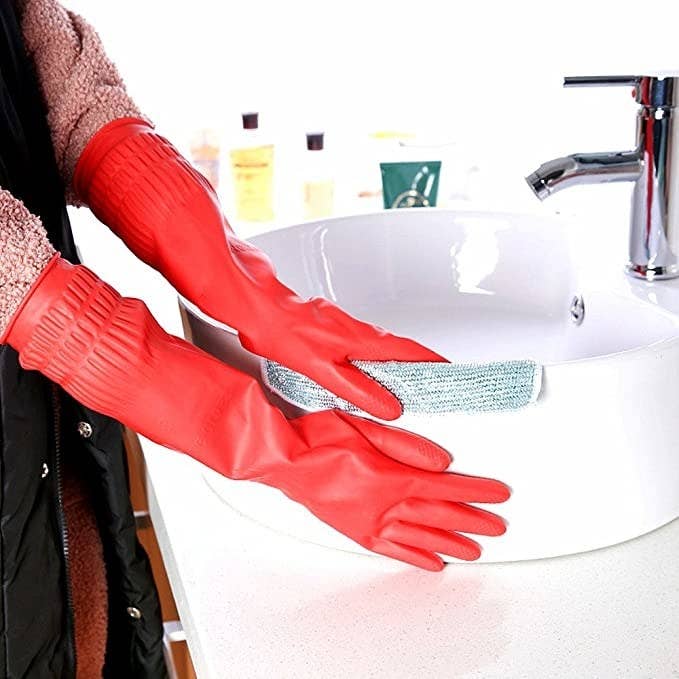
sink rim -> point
(614, 283)
(623, 353)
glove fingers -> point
(416, 557)
(460, 488)
(400, 445)
(432, 539)
(353, 385)
(447, 516)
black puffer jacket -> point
(38, 427)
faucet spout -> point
(652, 166)
(584, 168)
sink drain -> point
(577, 310)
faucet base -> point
(650, 273)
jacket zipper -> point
(56, 410)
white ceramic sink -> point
(595, 460)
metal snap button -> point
(45, 470)
(134, 612)
(85, 429)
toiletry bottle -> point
(319, 187)
(252, 165)
(413, 184)
(205, 155)
(377, 147)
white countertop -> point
(255, 603)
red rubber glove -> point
(167, 213)
(110, 354)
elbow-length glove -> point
(381, 486)
(140, 186)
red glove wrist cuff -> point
(60, 322)
(105, 139)
(16, 333)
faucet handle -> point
(601, 80)
(651, 91)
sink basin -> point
(594, 461)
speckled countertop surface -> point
(256, 604)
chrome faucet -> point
(653, 166)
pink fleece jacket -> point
(81, 86)
(24, 253)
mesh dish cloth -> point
(423, 388)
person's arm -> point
(383, 487)
(81, 87)
(140, 186)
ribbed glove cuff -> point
(78, 331)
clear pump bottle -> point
(318, 184)
(205, 153)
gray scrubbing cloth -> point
(423, 388)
